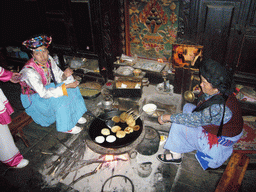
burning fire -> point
(109, 157)
(116, 157)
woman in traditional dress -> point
(9, 153)
(212, 127)
(45, 101)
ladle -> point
(108, 122)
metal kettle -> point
(107, 102)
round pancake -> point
(128, 130)
(110, 138)
(105, 131)
(123, 116)
(116, 119)
(129, 119)
(136, 128)
(116, 128)
(99, 139)
(120, 134)
(131, 123)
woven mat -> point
(247, 143)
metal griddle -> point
(97, 125)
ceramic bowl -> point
(149, 108)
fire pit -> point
(120, 145)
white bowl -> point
(149, 108)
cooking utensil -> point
(97, 125)
(107, 102)
(108, 122)
(90, 90)
(89, 93)
(189, 96)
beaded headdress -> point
(36, 42)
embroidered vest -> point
(25, 88)
(235, 125)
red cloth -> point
(247, 143)
(212, 139)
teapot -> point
(107, 102)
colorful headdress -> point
(36, 42)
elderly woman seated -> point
(212, 127)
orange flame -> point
(115, 157)
(124, 157)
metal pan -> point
(89, 96)
(97, 125)
(90, 90)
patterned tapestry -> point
(153, 28)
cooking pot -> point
(90, 90)
(97, 125)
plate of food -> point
(125, 70)
(90, 89)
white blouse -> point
(34, 80)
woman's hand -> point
(15, 78)
(72, 85)
(68, 72)
(164, 119)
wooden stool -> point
(234, 173)
(17, 125)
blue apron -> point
(64, 110)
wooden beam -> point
(234, 173)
